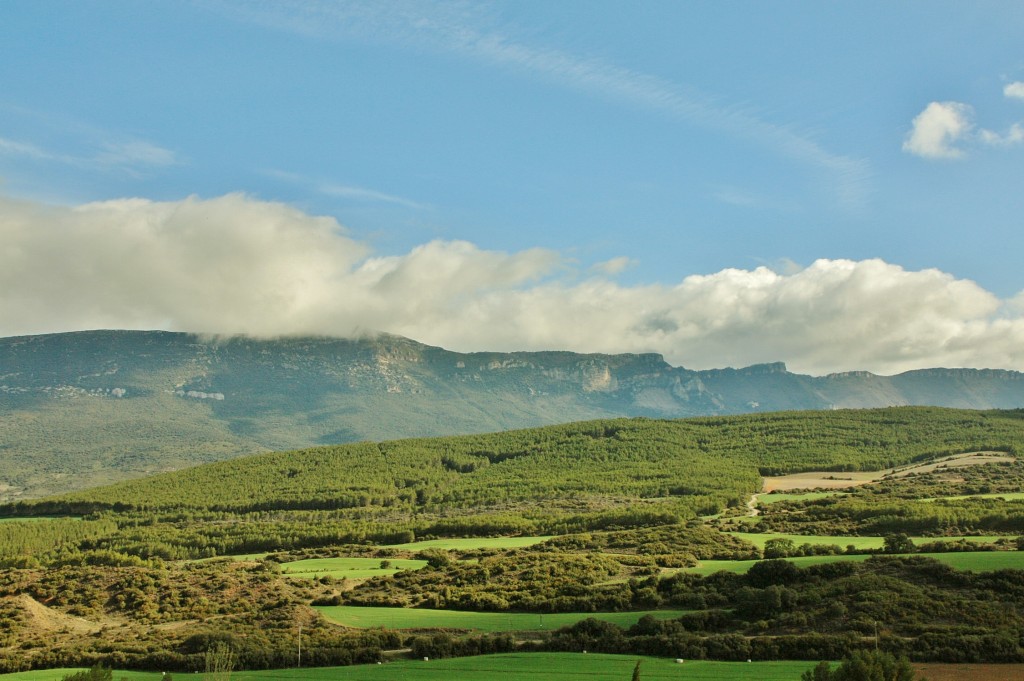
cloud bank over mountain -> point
(238, 265)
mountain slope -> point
(82, 409)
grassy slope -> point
(348, 568)
(423, 618)
(977, 561)
(861, 543)
(470, 543)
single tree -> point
(779, 547)
(898, 543)
(636, 671)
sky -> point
(839, 186)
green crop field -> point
(978, 561)
(58, 674)
(981, 561)
(508, 667)
(1005, 496)
(350, 568)
(804, 496)
(709, 567)
(758, 539)
(471, 543)
(860, 543)
(422, 618)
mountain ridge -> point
(89, 407)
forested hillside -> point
(619, 516)
(83, 409)
(552, 480)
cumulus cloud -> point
(235, 264)
(935, 131)
(1015, 135)
(941, 130)
(1014, 90)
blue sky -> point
(715, 174)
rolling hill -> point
(87, 408)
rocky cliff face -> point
(74, 407)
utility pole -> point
(300, 645)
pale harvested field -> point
(841, 480)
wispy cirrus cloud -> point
(471, 30)
(344, 191)
(130, 156)
(9, 147)
(78, 144)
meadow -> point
(424, 618)
(508, 667)
(349, 568)
(1005, 496)
(554, 667)
(470, 543)
(859, 543)
(977, 561)
(776, 497)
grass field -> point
(470, 543)
(709, 567)
(508, 667)
(806, 496)
(978, 561)
(461, 544)
(349, 568)
(1005, 496)
(759, 539)
(422, 618)
(555, 667)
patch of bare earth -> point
(42, 618)
(970, 672)
(842, 480)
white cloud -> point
(1014, 90)
(1015, 135)
(234, 264)
(937, 129)
(614, 266)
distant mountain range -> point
(79, 409)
